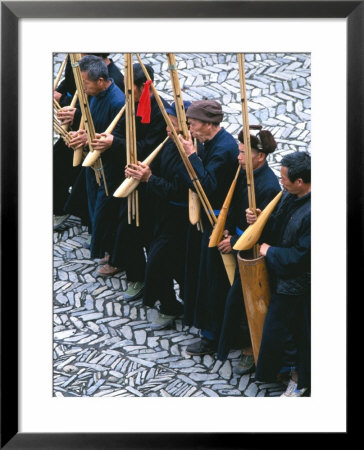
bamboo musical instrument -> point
(247, 144)
(130, 128)
(230, 267)
(93, 156)
(78, 152)
(218, 230)
(71, 105)
(58, 77)
(89, 125)
(194, 206)
(130, 184)
(256, 293)
(251, 235)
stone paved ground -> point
(103, 345)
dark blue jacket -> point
(266, 187)
(104, 107)
(215, 166)
(288, 231)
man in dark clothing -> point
(235, 331)
(106, 100)
(215, 166)
(64, 174)
(168, 197)
(286, 245)
(127, 240)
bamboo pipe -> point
(251, 235)
(78, 152)
(130, 184)
(247, 143)
(131, 144)
(194, 205)
(89, 125)
(72, 105)
(58, 77)
(92, 157)
(218, 230)
(191, 172)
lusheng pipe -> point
(256, 293)
(252, 234)
(130, 184)
(194, 204)
(94, 155)
(218, 230)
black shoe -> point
(202, 347)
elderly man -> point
(206, 281)
(106, 100)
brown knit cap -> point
(205, 110)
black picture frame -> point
(11, 12)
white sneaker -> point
(292, 390)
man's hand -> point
(138, 171)
(66, 115)
(250, 216)
(78, 139)
(187, 144)
(224, 246)
(57, 95)
(263, 249)
(102, 141)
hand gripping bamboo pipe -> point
(93, 156)
(194, 206)
(130, 184)
(218, 230)
(251, 235)
(89, 125)
(228, 259)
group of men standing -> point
(166, 248)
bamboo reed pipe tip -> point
(91, 158)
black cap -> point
(139, 74)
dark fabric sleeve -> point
(164, 189)
(287, 261)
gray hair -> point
(95, 67)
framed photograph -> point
(31, 32)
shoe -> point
(107, 270)
(103, 261)
(292, 390)
(162, 321)
(58, 221)
(245, 365)
(202, 347)
(134, 291)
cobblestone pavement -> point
(103, 345)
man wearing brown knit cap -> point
(206, 283)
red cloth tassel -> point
(144, 106)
